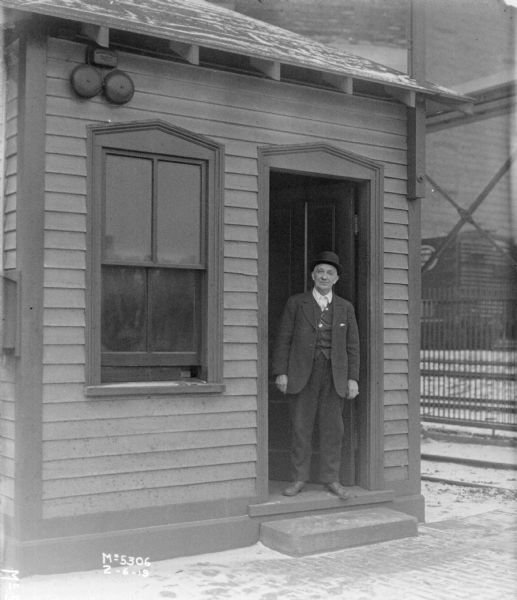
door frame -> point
(329, 161)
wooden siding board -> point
(63, 317)
(240, 250)
(65, 278)
(396, 413)
(396, 321)
(395, 261)
(240, 352)
(239, 233)
(63, 354)
(396, 351)
(396, 397)
(396, 336)
(165, 478)
(396, 246)
(240, 387)
(132, 444)
(395, 307)
(62, 406)
(7, 467)
(65, 259)
(64, 373)
(240, 335)
(396, 292)
(394, 474)
(240, 369)
(396, 458)
(65, 204)
(242, 266)
(118, 501)
(241, 300)
(65, 184)
(396, 276)
(395, 366)
(240, 283)
(395, 381)
(150, 461)
(61, 221)
(100, 428)
(241, 216)
(399, 217)
(395, 427)
(396, 442)
(64, 298)
(241, 199)
(249, 318)
(64, 336)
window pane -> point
(179, 213)
(172, 302)
(128, 217)
(123, 309)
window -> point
(155, 260)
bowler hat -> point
(329, 258)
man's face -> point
(324, 277)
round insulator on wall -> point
(118, 87)
(86, 81)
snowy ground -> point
(444, 502)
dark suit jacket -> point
(296, 343)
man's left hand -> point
(353, 389)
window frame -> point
(157, 138)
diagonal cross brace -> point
(466, 215)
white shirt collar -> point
(317, 296)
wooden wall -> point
(115, 454)
(10, 159)
(8, 265)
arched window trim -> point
(160, 139)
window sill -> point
(153, 388)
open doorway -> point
(309, 214)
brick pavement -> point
(472, 558)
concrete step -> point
(327, 532)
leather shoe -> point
(294, 489)
(340, 491)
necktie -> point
(324, 302)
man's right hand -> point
(281, 383)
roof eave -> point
(403, 89)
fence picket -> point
(468, 358)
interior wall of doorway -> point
(309, 214)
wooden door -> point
(307, 215)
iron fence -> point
(468, 358)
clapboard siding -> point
(147, 461)
(396, 337)
(7, 263)
(168, 478)
(148, 498)
(72, 407)
(7, 436)
(155, 442)
(99, 428)
(126, 442)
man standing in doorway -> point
(316, 359)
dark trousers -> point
(320, 398)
